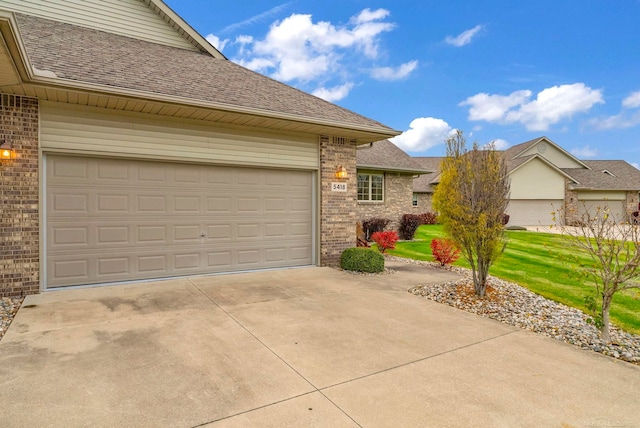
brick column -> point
(19, 212)
(570, 211)
(337, 209)
(631, 204)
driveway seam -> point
(316, 389)
(419, 360)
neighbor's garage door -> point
(532, 212)
(114, 220)
(616, 209)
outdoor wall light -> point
(7, 151)
(341, 172)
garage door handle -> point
(202, 235)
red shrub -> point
(444, 251)
(428, 218)
(385, 240)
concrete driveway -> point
(300, 347)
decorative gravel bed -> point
(8, 309)
(515, 305)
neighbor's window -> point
(415, 199)
(370, 187)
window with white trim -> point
(370, 187)
(415, 200)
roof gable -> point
(149, 20)
(547, 149)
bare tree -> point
(471, 199)
(613, 246)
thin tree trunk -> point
(606, 306)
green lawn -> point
(540, 262)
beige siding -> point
(118, 219)
(536, 180)
(599, 196)
(553, 155)
(131, 18)
(89, 130)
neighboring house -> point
(132, 149)
(548, 182)
(385, 182)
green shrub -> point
(361, 259)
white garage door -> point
(117, 220)
(594, 208)
(533, 212)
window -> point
(415, 200)
(370, 187)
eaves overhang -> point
(394, 169)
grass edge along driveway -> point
(541, 262)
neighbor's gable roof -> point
(606, 175)
(77, 58)
(517, 151)
(386, 156)
(514, 164)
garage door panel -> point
(532, 212)
(596, 207)
(169, 220)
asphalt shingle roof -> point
(386, 156)
(96, 57)
(424, 183)
(625, 176)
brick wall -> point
(398, 198)
(337, 209)
(424, 203)
(19, 217)
(631, 203)
(570, 210)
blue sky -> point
(504, 71)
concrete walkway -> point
(300, 347)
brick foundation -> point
(337, 209)
(19, 212)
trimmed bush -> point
(373, 225)
(362, 260)
(516, 228)
(408, 226)
(428, 218)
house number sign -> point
(338, 187)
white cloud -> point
(584, 152)
(550, 106)
(423, 133)
(463, 38)
(368, 15)
(334, 94)
(500, 144)
(390, 73)
(217, 42)
(493, 108)
(619, 121)
(632, 101)
(297, 48)
(256, 18)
